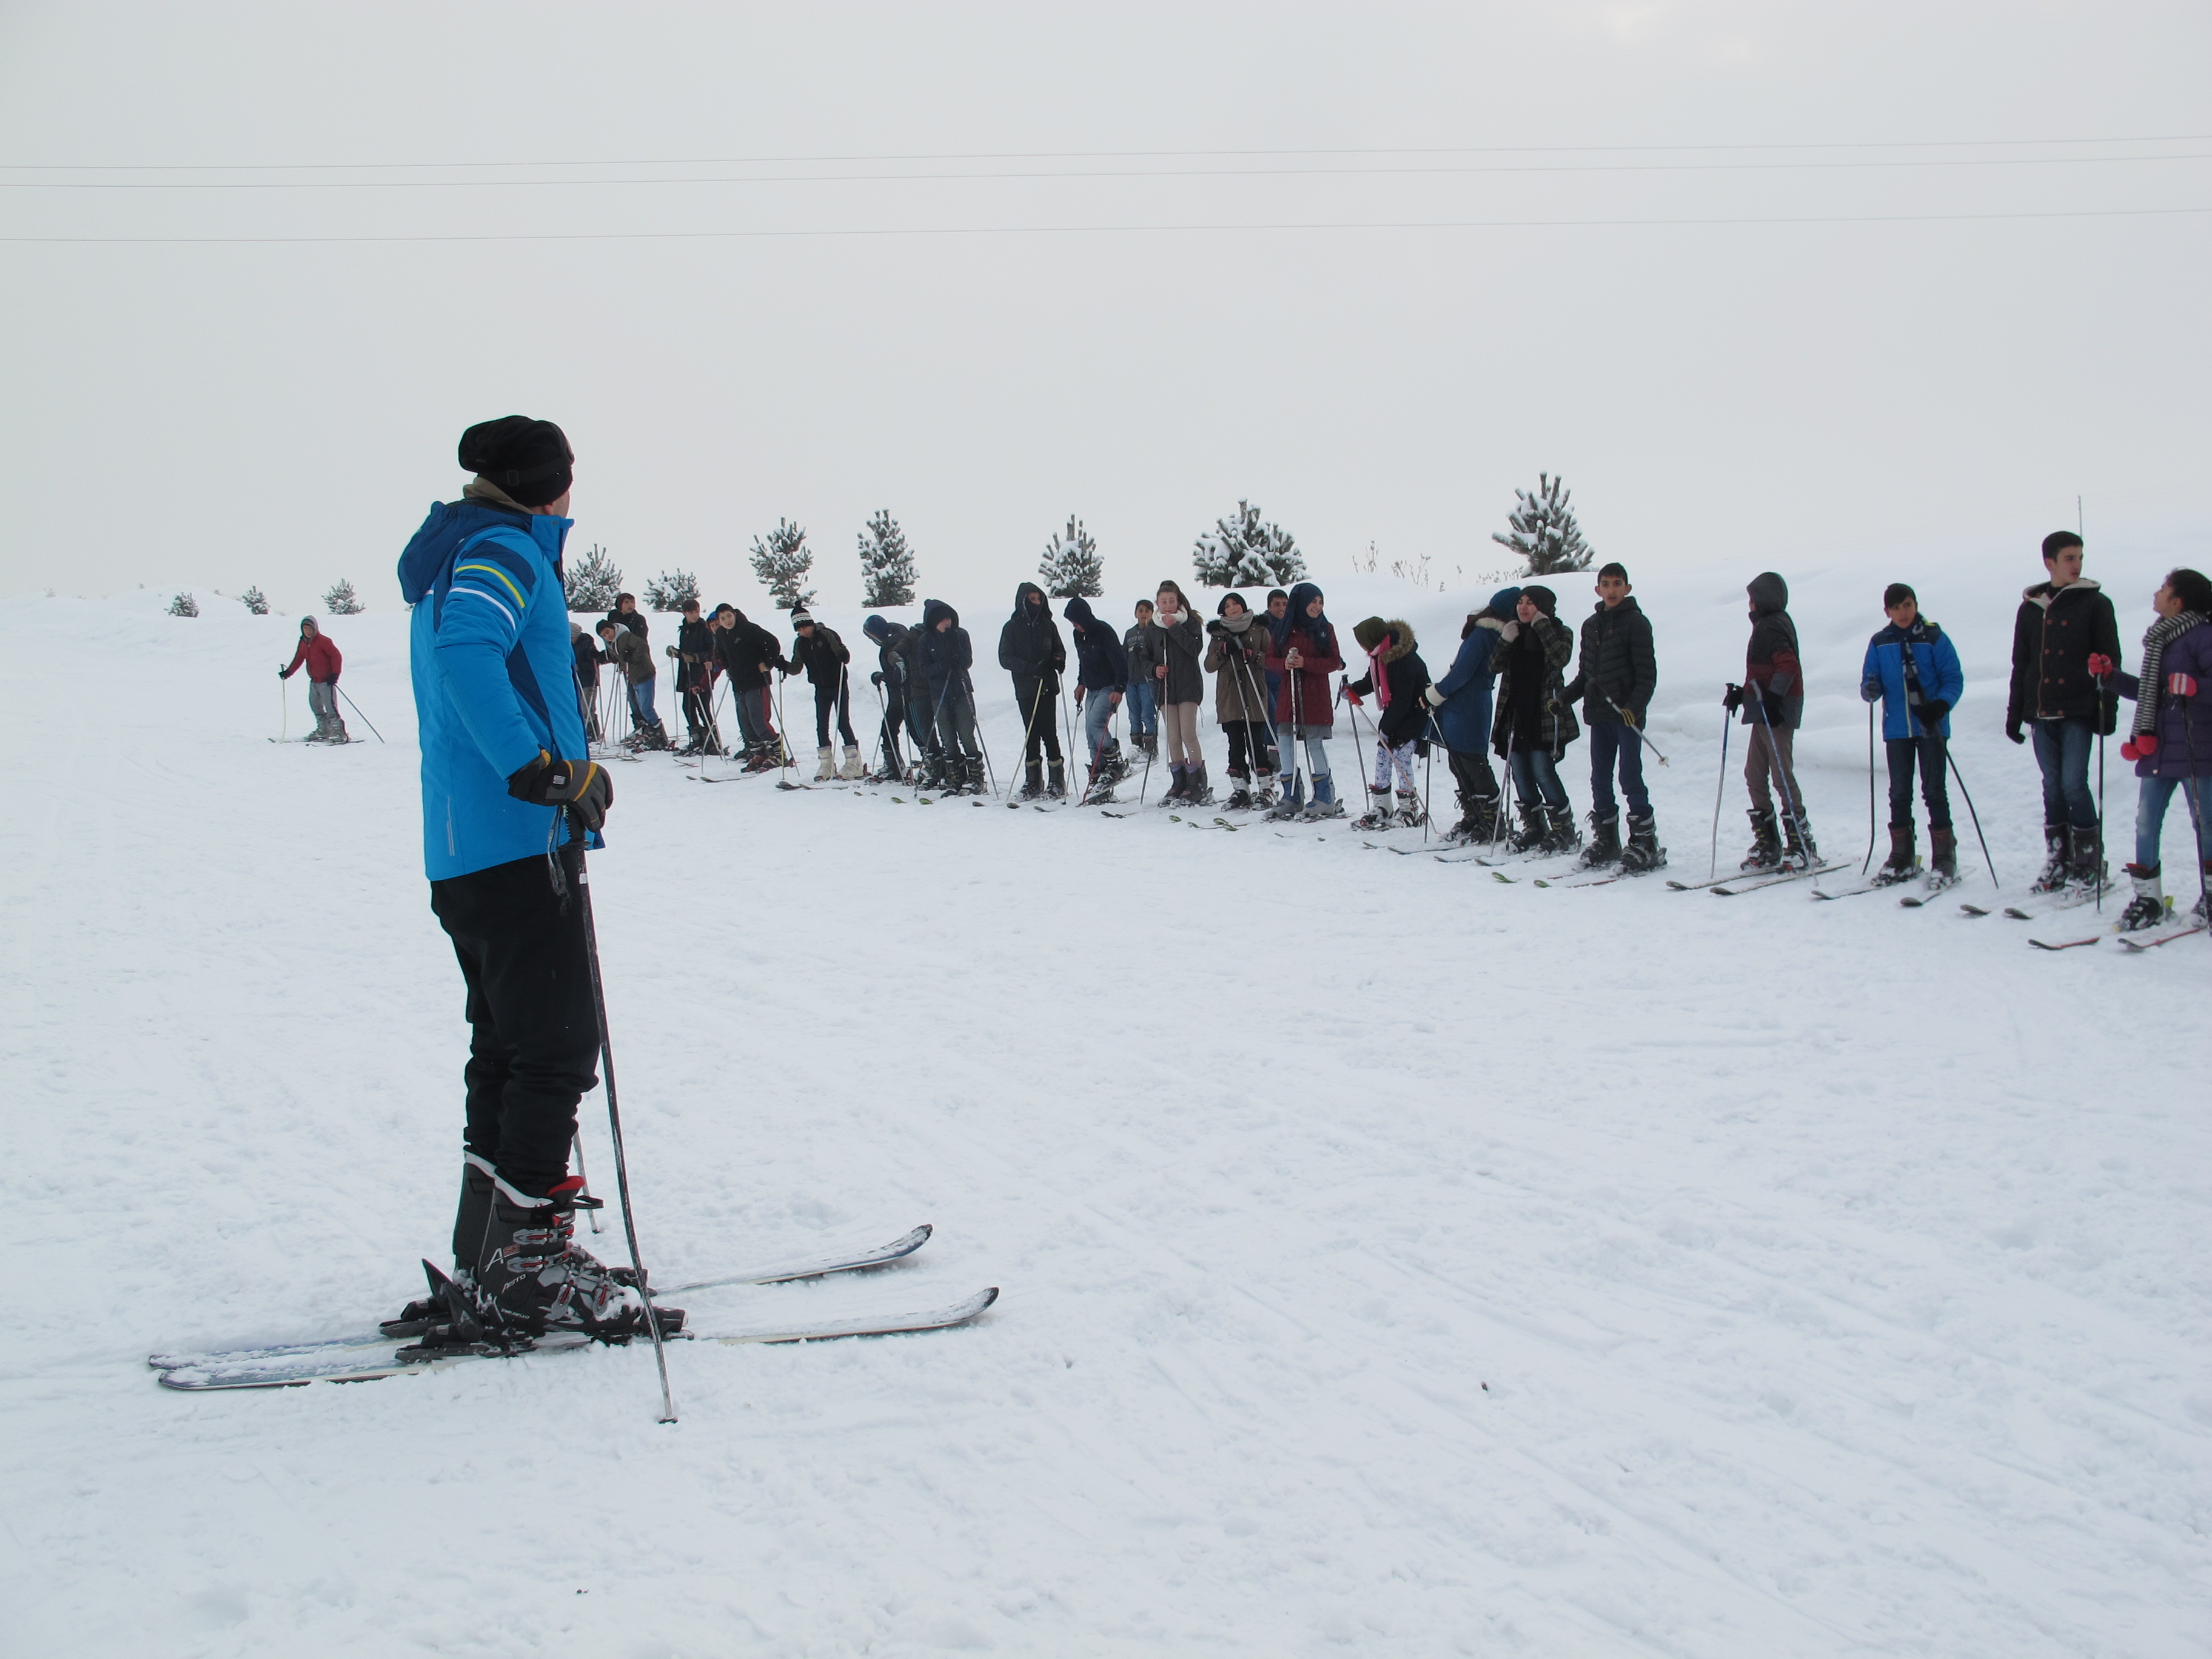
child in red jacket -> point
(324, 662)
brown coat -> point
(1238, 660)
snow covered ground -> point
(1393, 1261)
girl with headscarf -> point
(1305, 654)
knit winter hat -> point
(531, 460)
(801, 617)
(877, 629)
(1542, 598)
(1369, 633)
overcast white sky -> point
(281, 413)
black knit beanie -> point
(531, 460)
(1542, 598)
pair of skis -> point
(362, 1356)
(1751, 881)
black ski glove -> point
(1869, 690)
(1732, 699)
(1932, 713)
(2013, 731)
(582, 786)
(876, 678)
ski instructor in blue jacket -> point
(506, 782)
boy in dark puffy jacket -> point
(2065, 647)
(945, 654)
(1772, 702)
(889, 679)
(1396, 678)
(1913, 671)
(1616, 676)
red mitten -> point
(2181, 685)
(2142, 746)
(2099, 664)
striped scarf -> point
(2151, 682)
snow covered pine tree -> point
(1071, 568)
(1544, 529)
(886, 562)
(340, 599)
(1243, 552)
(782, 562)
(592, 582)
(672, 590)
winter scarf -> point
(1318, 628)
(2151, 676)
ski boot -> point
(1114, 763)
(1604, 847)
(1477, 825)
(2147, 908)
(1101, 790)
(1055, 783)
(1942, 859)
(2200, 912)
(1263, 789)
(1766, 852)
(979, 780)
(1802, 852)
(1196, 790)
(1378, 815)
(1529, 834)
(1032, 781)
(854, 767)
(532, 1277)
(2085, 865)
(1292, 803)
(2054, 861)
(1240, 792)
(1560, 835)
(825, 764)
(1904, 861)
(1410, 813)
(1643, 853)
(1325, 805)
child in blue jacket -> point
(1913, 671)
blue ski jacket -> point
(1463, 717)
(1934, 663)
(495, 678)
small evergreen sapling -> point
(669, 591)
(341, 600)
(781, 561)
(1544, 532)
(254, 600)
(592, 582)
(1071, 568)
(886, 562)
(1243, 552)
(184, 605)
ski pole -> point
(585, 1176)
(1429, 775)
(1344, 694)
(883, 724)
(1267, 710)
(1728, 721)
(371, 725)
(2190, 791)
(1976, 817)
(976, 720)
(1642, 741)
(614, 1118)
(284, 696)
(2098, 874)
(1512, 797)
(1028, 732)
(1866, 862)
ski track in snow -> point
(1393, 1261)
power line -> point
(1088, 230)
(1098, 155)
(1162, 172)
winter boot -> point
(979, 780)
(2054, 861)
(1478, 821)
(1410, 811)
(1292, 803)
(1643, 853)
(854, 767)
(2198, 911)
(1529, 834)
(1802, 852)
(1942, 858)
(1904, 858)
(1196, 790)
(1378, 815)
(825, 763)
(470, 1219)
(1032, 780)
(2147, 908)
(532, 1277)
(1766, 852)
(1604, 847)
(1055, 783)
(1560, 835)
(1240, 791)
(1113, 764)
(1325, 802)
(2085, 865)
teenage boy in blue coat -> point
(1913, 671)
(508, 785)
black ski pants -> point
(1928, 752)
(1040, 721)
(533, 1033)
(827, 697)
(1472, 777)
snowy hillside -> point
(1393, 1261)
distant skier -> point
(1535, 721)
(889, 679)
(1140, 648)
(1463, 702)
(585, 649)
(945, 655)
(2171, 742)
(1614, 677)
(505, 777)
(1913, 671)
(633, 659)
(1772, 702)
(1180, 643)
(1102, 673)
(1397, 679)
(1304, 656)
(818, 652)
(2061, 623)
(1236, 656)
(750, 655)
(1032, 652)
(321, 653)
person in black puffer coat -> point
(893, 669)
(693, 653)
(1396, 678)
(821, 656)
(2065, 651)
(1616, 676)
(1102, 670)
(944, 656)
(1031, 650)
(1535, 721)
(750, 655)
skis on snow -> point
(1733, 887)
